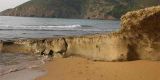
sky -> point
(5, 4)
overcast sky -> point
(5, 4)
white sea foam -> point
(3, 27)
(17, 64)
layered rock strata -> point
(138, 38)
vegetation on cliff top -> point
(92, 9)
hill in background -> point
(90, 9)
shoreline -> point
(25, 74)
(23, 66)
(126, 53)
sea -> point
(29, 27)
(20, 65)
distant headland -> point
(83, 9)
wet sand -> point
(20, 66)
(74, 68)
(26, 74)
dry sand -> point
(74, 68)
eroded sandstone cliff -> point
(138, 38)
(142, 28)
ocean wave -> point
(9, 27)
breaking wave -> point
(8, 27)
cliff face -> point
(95, 47)
(91, 9)
(138, 39)
(142, 28)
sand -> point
(74, 68)
(26, 74)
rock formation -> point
(138, 38)
(142, 29)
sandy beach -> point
(74, 68)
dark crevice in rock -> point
(66, 45)
(8, 43)
(132, 54)
(42, 53)
(51, 53)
